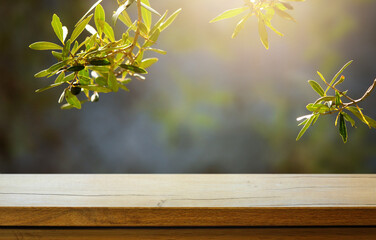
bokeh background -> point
(211, 105)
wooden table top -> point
(187, 200)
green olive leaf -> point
(325, 99)
(239, 26)
(153, 38)
(45, 46)
(337, 74)
(156, 50)
(112, 82)
(42, 73)
(284, 14)
(84, 80)
(349, 119)
(56, 67)
(306, 126)
(133, 68)
(91, 9)
(66, 49)
(57, 55)
(109, 32)
(146, 14)
(338, 101)
(96, 88)
(69, 77)
(315, 86)
(79, 28)
(342, 128)
(72, 100)
(229, 14)
(99, 18)
(169, 20)
(101, 81)
(263, 34)
(150, 9)
(48, 87)
(120, 9)
(355, 111)
(147, 62)
(317, 108)
(60, 78)
(58, 27)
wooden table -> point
(187, 206)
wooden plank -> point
(190, 233)
(187, 190)
(190, 217)
(187, 200)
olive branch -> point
(333, 104)
(100, 63)
(264, 10)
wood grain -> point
(190, 217)
(191, 233)
(188, 200)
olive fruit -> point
(76, 68)
(99, 62)
(75, 90)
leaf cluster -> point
(264, 11)
(101, 63)
(334, 103)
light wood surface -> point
(191, 233)
(187, 200)
(187, 190)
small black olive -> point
(75, 90)
(76, 68)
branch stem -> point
(139, 14)
(134, 43)
(353, 102)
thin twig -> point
(365, 95)
(353, 102)
(137, 34)
(368, 92)
(137, 30)
(343, 94)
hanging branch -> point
(330, 104)
(94, 65)
(264, 11)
